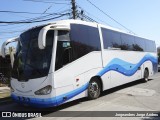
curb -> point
(6, 100)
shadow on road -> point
(112, 90)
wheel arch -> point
(146, 68)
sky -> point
(140, 16)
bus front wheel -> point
(146, 75)
(94, 89)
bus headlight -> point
(44, 91)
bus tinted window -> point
(111, 39)
(84, 39)
(114, 39)
(107, 41)
(154, 49)
(139, 44)
(127, 42)
(150, 46)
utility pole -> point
(73, 8)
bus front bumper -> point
(49, 102)
(35, 102)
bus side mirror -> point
(11, 52)
(3, 47)
(42, 38)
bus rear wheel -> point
(94, 89)
(146, 75)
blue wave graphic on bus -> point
(126, 68)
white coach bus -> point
(70, 59)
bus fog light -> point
(44, 91)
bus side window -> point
(111, 39)
(63, 54)
(66, 56)
(84, 39)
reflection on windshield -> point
(30, 61)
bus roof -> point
(93, 24)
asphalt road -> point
(135, 96)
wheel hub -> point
(94, 89)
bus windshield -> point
(30, 61)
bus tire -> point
(94, 89)
(146, 75)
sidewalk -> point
(4, 95)
(4, 88)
